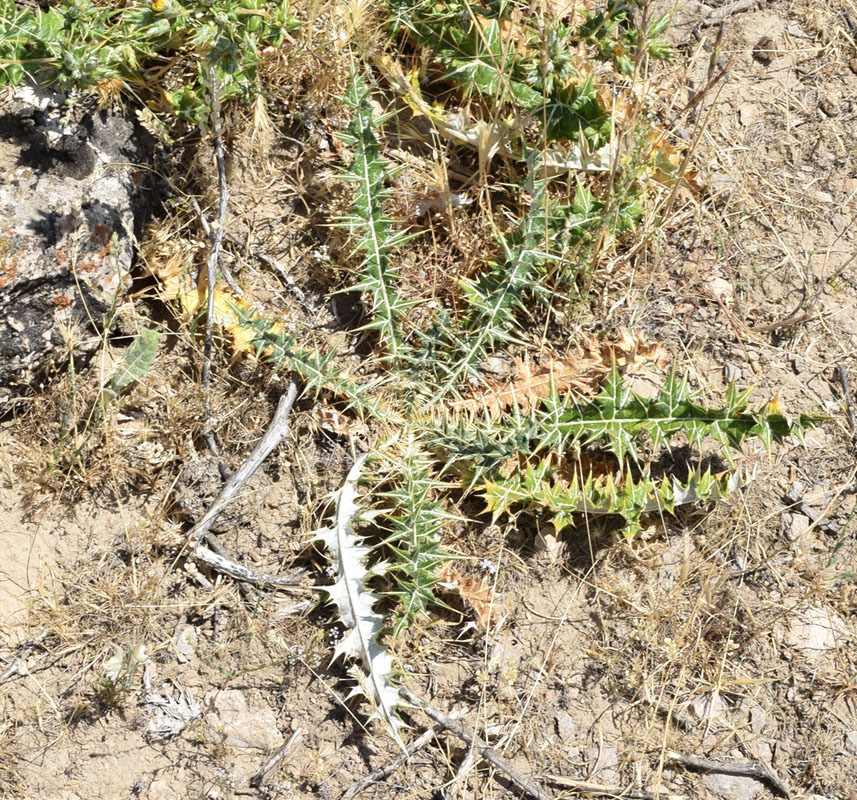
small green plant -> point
(135, 362)
(159, 52)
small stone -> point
(748, 113)
(565, 726)
(603, 762)
(241, 726)
(185, 643)
(709, 707)
(783, 753)
(765, 50)
(758, 718)
(814, 631)
(731, 373)
(732, 787)
(829, 105)
(851, 742)
(799, 525)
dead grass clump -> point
(10, 760)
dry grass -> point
(583, 654)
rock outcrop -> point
(70, 197)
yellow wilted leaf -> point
(476, 594)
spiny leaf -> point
(617, 416)
(414, 522)
(593, 495)
(497, 455)
(494, 296)
(355, 603)
(377, 239)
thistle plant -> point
(573, 183)
(114, 49)
(545, 463)
(412, 520)
(376, 239)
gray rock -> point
(69, 201)
(814, 631)
(240, 725)
(733, 787)
(565, 726)
(758, 718)
(603, 763)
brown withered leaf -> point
(580, 370)
(475, 594)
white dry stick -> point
(483, 749)
(226, 566)
(23, 653)
(261, 777)
(274, 434)
(287, 279)
(354, 602)
(227, 275)
(388, 769)
(214, 254)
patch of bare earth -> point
(725, 634)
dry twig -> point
(585, 787)
(795, 318)
(842, 374)
(717, 15)
(388, 769)
(214, 256)
(226, 566)
(227, 275)
(758, 770)
(261, 777)
(814, 517)
(272, 437)
(484, 750)
(23, 653)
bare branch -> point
(488, 753)
(745, 769)
(272, 437)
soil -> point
(725, 633)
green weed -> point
(159, 52)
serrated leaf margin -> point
(355, 603)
